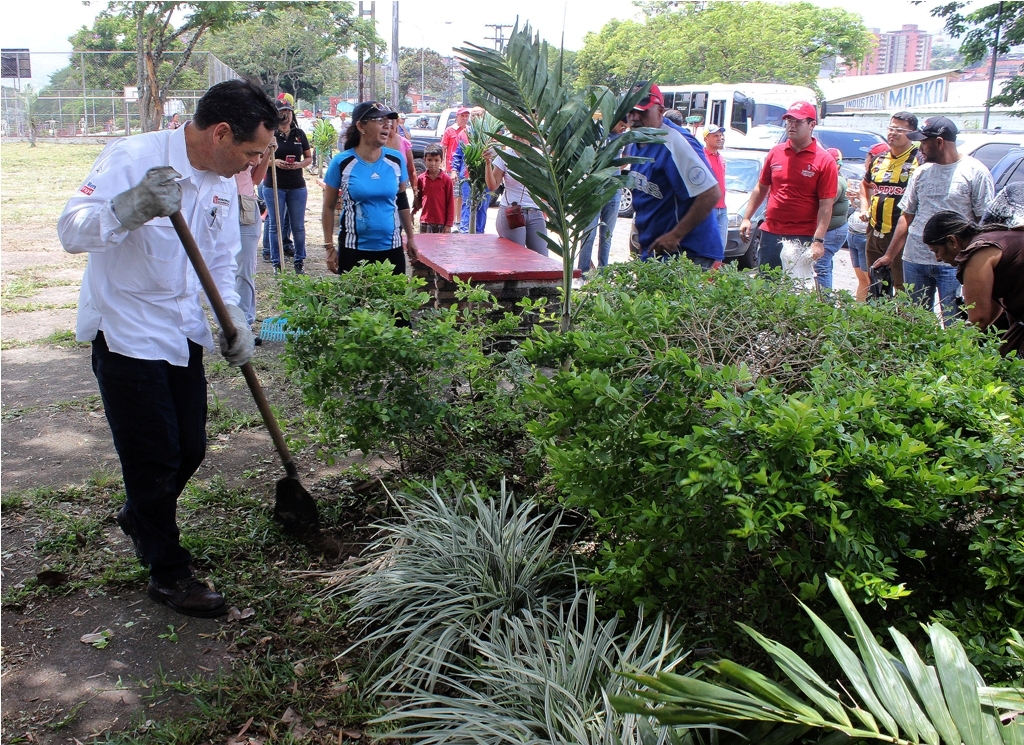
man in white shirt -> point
(140, 307)
(946, 180)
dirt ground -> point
(55, 687)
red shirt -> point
(450, 142)
(436, 198)
(797, 181)
(717, 164)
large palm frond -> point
(890, 697)
(554, 144)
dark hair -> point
(906, 116)
(240, 104)
(352, 135)
(433, 150)
(675, 116)
(943, 224)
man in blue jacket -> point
(674, 193)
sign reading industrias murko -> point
(905, 97)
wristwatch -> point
(818, 240)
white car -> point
(988, 147)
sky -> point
(45, 25)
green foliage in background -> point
(733, 440)
(724, 42)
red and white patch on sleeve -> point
(88, 188)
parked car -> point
(988, 147)
(742, 170)
(854, 144)
(626, 204)
(1009, 169)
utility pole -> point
(373, 66)
(499, 34)
(992, 67)
(394, 56)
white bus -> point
(750, 112)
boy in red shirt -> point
(434, 193)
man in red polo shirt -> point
(799, 179)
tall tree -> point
(724, 42)
(979, 30)
(424, 70)
(295, 47)
(155, 36)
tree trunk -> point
(154, 99)
(140, 66)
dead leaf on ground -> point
(352, 734)
(239, 615)
(290, 717)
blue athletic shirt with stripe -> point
(367, 193)
(664, 190)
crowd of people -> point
(923, 212)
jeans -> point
(924, 280)
(722, 218)
(481, 212)
(530, 235)
(157, 416)
(603, 225)
(292, 205)
(771, 248)
(858, 243)
(834, 240)
(245, 271)
(286, 225)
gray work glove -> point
(157, 195)
(240, 350)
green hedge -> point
(734, 440)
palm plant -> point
(554, 145)
(325, 137)
(540, 677)
(480, 134)
(436, 575)
(897, 699)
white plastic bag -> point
(797, 261)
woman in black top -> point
(292, 155)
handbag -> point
(514, 214)
(246, 210)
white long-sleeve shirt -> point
(139, 288)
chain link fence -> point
(95, 94)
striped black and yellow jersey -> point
(888, 177)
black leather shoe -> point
(188, 596)
(298, 268)
(124, 521)
(289, 251)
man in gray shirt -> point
(946, 181)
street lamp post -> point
(423, 53)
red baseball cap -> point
(802, 110)
(654, 98)
(462, 111)
(835, 153)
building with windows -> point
(906, 50)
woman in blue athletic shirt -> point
(370, 180)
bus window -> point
(718, 113)
(699, 105)
(669, 100)
(741, 109)
(766, 113)
(682, 103)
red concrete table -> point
(506, 269)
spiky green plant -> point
(435, 576)
(555, 146)
(540, 678)
(325, 137)
(889, 697)
(480, 134)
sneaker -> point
(277, 268)
(289, 251)
(188, 596)
(298, 268)
(266, 256)
(124, 521)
